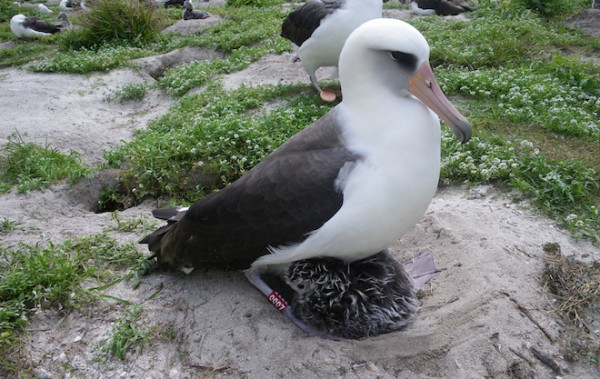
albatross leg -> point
(254, 276)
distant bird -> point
(72, 5)
(44, 9)
(347, 186)
(31, 26)
(190, 14)
(64, 23)
(174, 3)
(40, 7)
(319, 28)
(440, 7)
(66, 5)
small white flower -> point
(571, 217)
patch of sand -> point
(70, 111)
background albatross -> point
(319, 28)
(347, 186)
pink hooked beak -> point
(424, 86)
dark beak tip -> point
(463, 132)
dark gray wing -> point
(289, 194)
(38, 25)
(299, 25)
(461, 4)
(428, 4)
(445, 7)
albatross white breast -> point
(347, 186)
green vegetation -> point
(561, 102)
(7, 10)
(177, 81)
(108, 40)
(126, 334)
(211, 139)
(566, 190)
(552, 8)
(6, 226)
(256, 3)
(139, 224)
(84, 60)
(29, 166)
(246, 35)
(42, 277)
(122, 22)
(129, 92)
(23, 52)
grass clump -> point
(7, 10)
(122, 22)
(7, 226)
(127, 333)
(138, 224)
(28, 166)
(553, 8)
(129, 92)
(575, 286)
(246, 35)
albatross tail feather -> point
(154, 241)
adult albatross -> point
(440, 7)
(319, 28)
(31, 26)
(345, 187)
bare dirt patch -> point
(587, 21)
(71, 112)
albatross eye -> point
(406, 60)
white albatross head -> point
(388, 57)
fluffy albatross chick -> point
(333, 299)
(319, 28)
(347, 186)
(354, 300)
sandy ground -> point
(71, 111)
(480, 317)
